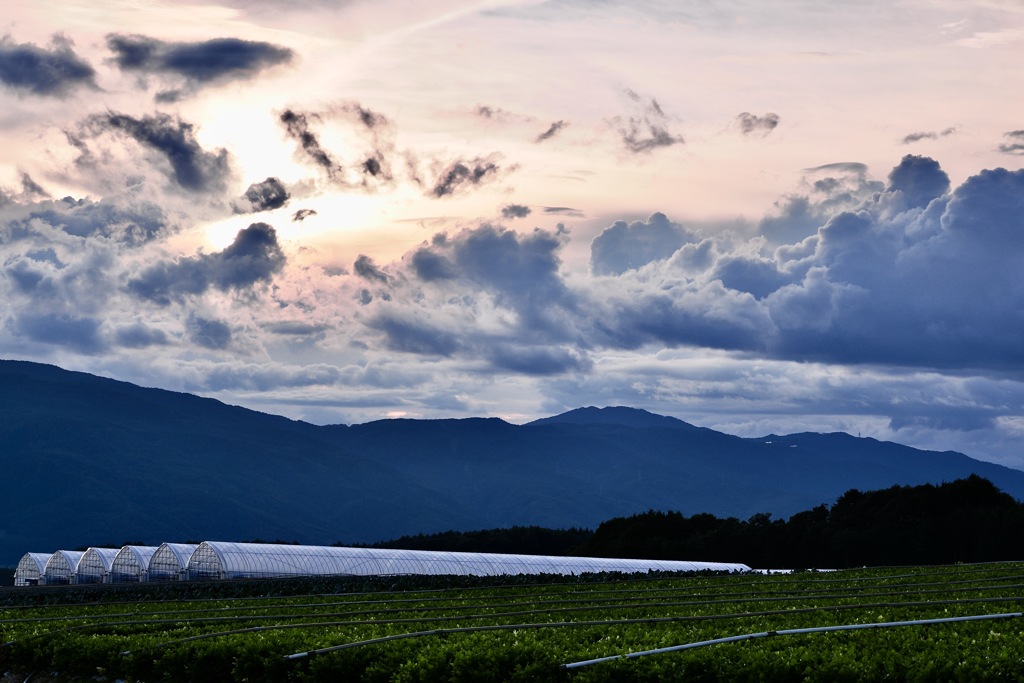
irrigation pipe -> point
(790, 632)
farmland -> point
(524, 628)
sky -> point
(758, 216)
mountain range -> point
(93, 461)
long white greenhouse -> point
(214, 560)
(217, 560)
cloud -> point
(81, 334)
(198, 64)
(563, 211)
(537, 360)
(463, 174)
(623, 247)
(297, 126)
(750, 123)
(374, 131)
(191, 167)
(254, 257)
(1015, 144)
(552, 130)
(516, 273)
(124, 220)
(412, 335)
(927, 135)
(917, 180)
(646, 130)
(140, 336)
(208, 333)
(32, 70)
(827, 191)
(265, 195)
(302, 214)
(515, 211)
(365, 268)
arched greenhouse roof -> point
(61, 566)
(170, 561)
(30, 569)
(223, 560)
(131, 563)
(94, 565)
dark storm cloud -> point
(140, 336)
(515, 211)
(370, 165)
(927, 135)
(296, 328)
(933, 287)
(265, 195)
(30, 69)
(1015, 144)
(534, 360)
(551, 131)
(918, 180)
(132, 223)
(297, 126)
(192, 167)
(430, 266)
(563, 211)
(648, 129)
(755, 276)
(852, 167)
(208, 333)
(519, 272)
(302, 214)
(253, 257)
(365, 268)
(415, 336)
(623, 246)
(750, 123)
(31, 189)
(462, 175)
(199, 64)
(76, 333)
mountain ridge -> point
(91, 459)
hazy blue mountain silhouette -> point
(90, 461)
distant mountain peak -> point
(614, 415)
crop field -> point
(526, 628)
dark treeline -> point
(968, 520)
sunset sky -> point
(764, 216)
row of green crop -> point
(526, 632)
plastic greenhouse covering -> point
(131, 563)
(30, 569)
(170, 561)
(94, 565)
(222, 560)
(60, 568)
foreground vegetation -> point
(523, 629)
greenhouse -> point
(221, 560)
(131, 564)
(60, 568)
(30, 569)
(94, 566)
(170, 561)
